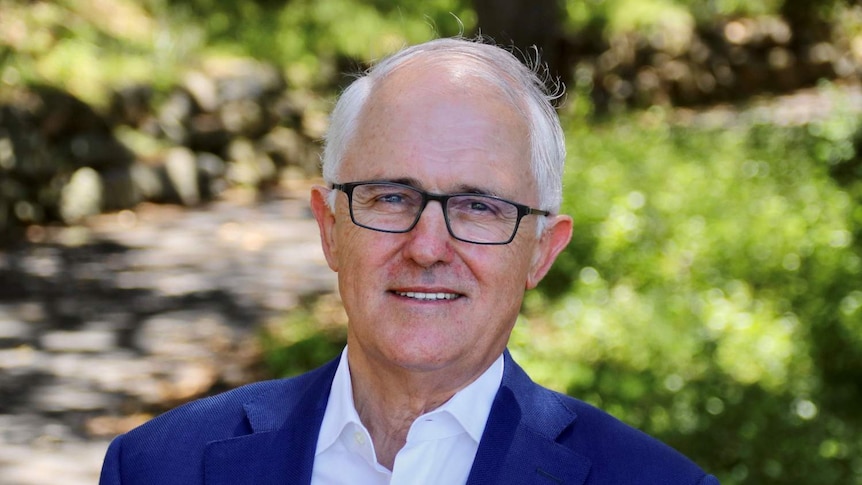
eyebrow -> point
(460, 189)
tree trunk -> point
(527, 23)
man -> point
(444, 166)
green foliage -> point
(619, 16)
(309, 336)
(714, 293)
(311, 37)
(88, 47)
(655, 17)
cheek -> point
(362, 255)
(502, 272)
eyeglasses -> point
(396, 208)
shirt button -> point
(359, 438)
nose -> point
(429, 242)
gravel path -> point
(104, 326)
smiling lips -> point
(418, 295)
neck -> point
(388, 400)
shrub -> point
(711, 295)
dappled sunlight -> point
(711, 294)
(754, 345)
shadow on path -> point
(104, 326)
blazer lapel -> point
(519, 442)
(280, 450)
(518, 445)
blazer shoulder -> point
(170, 447)
(624, 452)
(566, 437)
(178, 438)
(202, 413)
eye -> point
(480, 206)
(386, 197)
(391, 198)
(477, 206)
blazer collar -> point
(519, 443)
(285, 422)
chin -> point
(421, 360)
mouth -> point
(428, 296)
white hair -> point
(522, 84)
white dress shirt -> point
(440, 447)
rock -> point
(315, 122)
(150, 182)
(246, 79)
(289, 108)
(7, 152)
(203, 90)
(248, 166)
(120, 190)
(207, 133)
(82, 196)
(288, 148)
(58, 114)
(130, 105)
(212, 170)
(95, 150)
(24, 141)
(65, 144)
(12, 190)
(244, 117)
(174, 116)
(182, 170)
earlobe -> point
(325, 218)
(554, 240)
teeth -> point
(427, 296)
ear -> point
(555, 238)
(325, 217)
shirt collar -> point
(340, 411)
(472, 405)
(469, 406)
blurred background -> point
(156, 246)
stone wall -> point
(233, 123)
(727, 61)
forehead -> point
(441, 124)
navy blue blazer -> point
(266, 433)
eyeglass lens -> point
(397, 208)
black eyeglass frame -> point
(523, 210)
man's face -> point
(422, 300)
